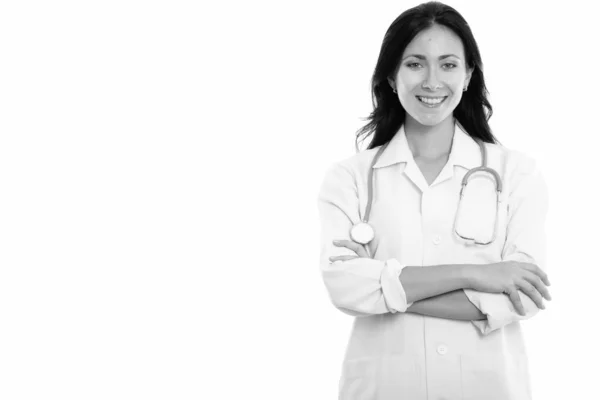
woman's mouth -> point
(431, 102)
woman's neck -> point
(429, 142)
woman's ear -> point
(468, 78)
(391, 83)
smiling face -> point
(431, 75)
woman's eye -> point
(413, 65)
(449, 66)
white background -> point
(159, 169)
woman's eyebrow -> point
(422, 57)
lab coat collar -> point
(465, 151)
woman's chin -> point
(430, 119)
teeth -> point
(436, 100)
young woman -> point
(456, 256)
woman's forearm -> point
(423, 282)
(452, 305)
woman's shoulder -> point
(343, 177)
(355, 165)
(509, 159)
(519, 171)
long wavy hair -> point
(474, 109)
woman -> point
(438, 303)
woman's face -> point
(432, 75)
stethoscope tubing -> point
(482, 168)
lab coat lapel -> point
(463, 153)
(446, 173)
(465, 150)
(399, 152)
(413, 173)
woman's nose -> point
(432, 82)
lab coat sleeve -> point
(525, 242)
(361, 286)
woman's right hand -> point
(509, 277)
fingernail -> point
(336, 242)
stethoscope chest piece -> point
(362, 233)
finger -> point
(532, 292)
(536, 270)
(342, 258)
(516, 300)
(539, 285)
(355, 247)
(349, 244)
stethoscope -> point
(362, 232)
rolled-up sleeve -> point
(525, 242)
(361, 286)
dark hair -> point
(474, 109)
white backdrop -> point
(159, 169)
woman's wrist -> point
(467, 272)
(452, 305)
(422, 282)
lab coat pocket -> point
(477, 212)
(359, 379)
(481, 226)
(401, 378)
(391, 377)
(493, 376)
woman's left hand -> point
(349, 244)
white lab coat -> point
(396, 355)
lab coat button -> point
(437, 239)
(442, 349)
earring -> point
(394, 90)
(465, 89)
